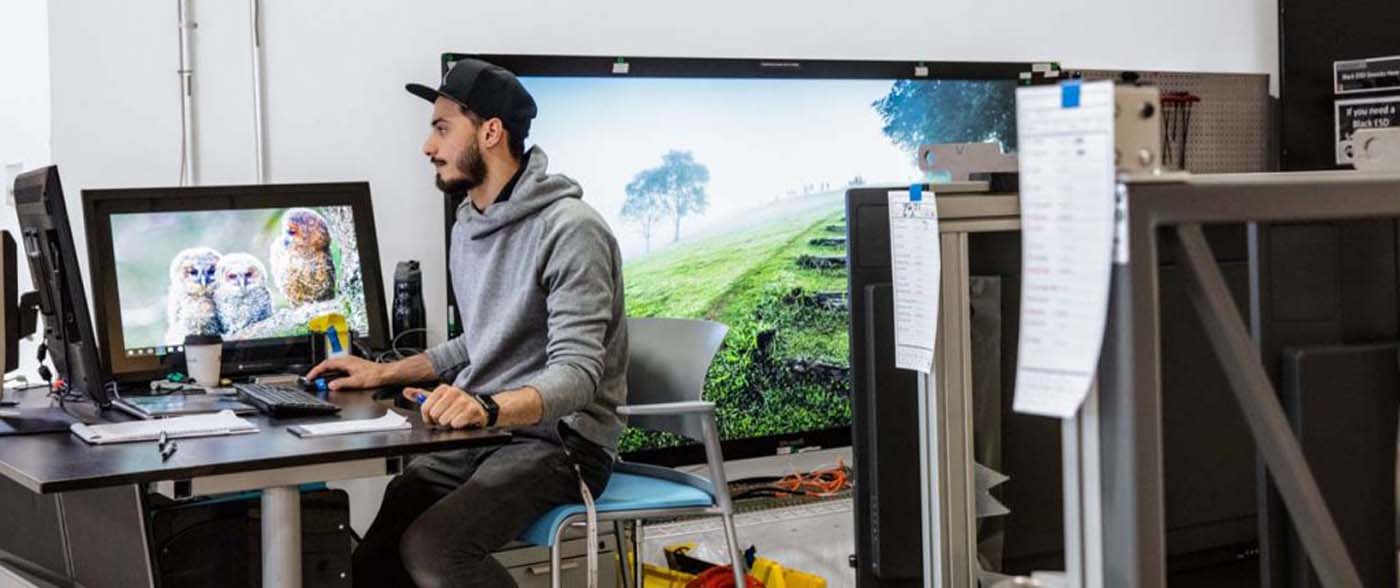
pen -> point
(166, 447)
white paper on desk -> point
(391, 421)
(915, 265)
(1067, 224)
(224, 422)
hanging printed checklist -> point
(1065, 139)
(915, 264)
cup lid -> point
(203, 339)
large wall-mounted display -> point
(723, 180)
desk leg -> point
(281, 537)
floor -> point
(815, 538)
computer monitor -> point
(10, 313)
(53, 265)
(252, 264)
(756, 155)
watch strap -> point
(493, 410)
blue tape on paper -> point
(334, 338)
(1069, 94)
(916, 193)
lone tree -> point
(918, 113)
(646, 203)
(679, 182)
(685, 182)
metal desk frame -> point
(1115, 443)
(281, 504)
(945, 418)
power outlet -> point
(12, 171)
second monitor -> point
(252, 264)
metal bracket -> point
(1377, 149)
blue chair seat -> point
(624, 492)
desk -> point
(272, 460)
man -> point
(538, 280)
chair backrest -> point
(667, 362)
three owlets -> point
(213, 294)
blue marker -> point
(333, 338)
(420, 398)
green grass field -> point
(750, 280)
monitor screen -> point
(252, 264)
(241, 274)
(725, 188)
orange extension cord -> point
(823, 482)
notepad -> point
(391, 421)
(203, 425)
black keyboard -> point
(284, 401)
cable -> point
(821, 482)
(395, 343)
(395, 352)
(408, 332)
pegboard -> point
(1230, 127)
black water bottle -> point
(410, 322)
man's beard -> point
(473, 170)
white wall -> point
(24, 116)
(335, 71)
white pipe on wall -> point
(259, 131)
(188, 174)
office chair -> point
(665, 376)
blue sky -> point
(762, 139)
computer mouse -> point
(322, 382)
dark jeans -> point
(447, 512)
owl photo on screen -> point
(189, 305)
(242, 295)
(301, 258)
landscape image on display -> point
(727, 199)
(241, 274)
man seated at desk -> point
(538, 279)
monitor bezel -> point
(240, 357)
(604, 66)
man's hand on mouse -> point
(448, 406)
(360, 374)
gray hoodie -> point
(538, 281)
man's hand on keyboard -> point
(360, 374)
(449, 407)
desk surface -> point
(61, 462)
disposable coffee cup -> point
(204, 358)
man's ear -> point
(493, 133)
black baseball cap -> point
(486, 89)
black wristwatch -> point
(492, 409)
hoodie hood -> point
(535, 191)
